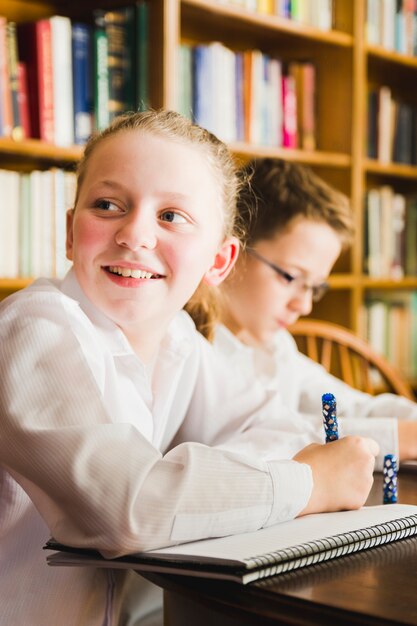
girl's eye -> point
(106, 205)
(173, 217)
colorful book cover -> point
(6, 118)
(202, 86)
(35, 49)
(82, 63)
(240, 113)
(25, 227)
(12, 58)
(289, 105)
(61, 33)
(142, 56)
(23, 99)
(119, 26)
(101, 73)
(372, 129)
(185, 91)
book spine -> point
(82, 59)
(62, 80)
(25, 226)
(17, 131)
(45, 81)
(118, 25)
(28, 54)
(5, 93)
(101, 78)
(142, 55)
(185, 92)
(289, 101)
(23, 99)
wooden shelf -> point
(14, 284)
(397, 170)
(327, 159)
(342, 281)
(224, 11)
(408, 282)
(34, 149)
(391, 56)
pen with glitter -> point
(328, 402)
(390, 479)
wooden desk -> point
(376, 587)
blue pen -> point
(329, 417)
(390, 479)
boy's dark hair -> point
(275, 192)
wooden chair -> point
(349, 357)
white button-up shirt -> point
(300, 382)
(86, 453)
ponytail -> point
(204, 309)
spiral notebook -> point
(266, 552)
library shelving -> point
(345, 64)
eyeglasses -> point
(297, 282)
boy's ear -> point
(70, 238)
(223, 262)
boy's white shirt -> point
(83, 430)
(300, 382)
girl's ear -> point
(223, 262)
(70, 237)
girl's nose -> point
(302, 301)
(137, 230)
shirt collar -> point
(177, 339)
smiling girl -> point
(100, 371)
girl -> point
(297, 226)
(100, 371)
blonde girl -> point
(99, 373)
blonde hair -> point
(276, 192)
(203, 306)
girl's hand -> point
(342, 473)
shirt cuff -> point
(292, 486)
(384, 430)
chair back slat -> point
(326, 354)
(312, 350)
(356, 358)
(346, 365)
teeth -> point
(128, 272)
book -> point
(142, 55)
(61, 46)
(289, 105)
(267, 552)
(35, 49)
(82, 62)
(185, 85)
(119, 25)
(11, 39)
(23, 99)
(6, 112)
(101, 72)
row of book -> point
(248, 96)
(392, 24)
(390, 234)
(33, 218)
(60, 79)
(317, 13)
(391, 326)
(392, 127)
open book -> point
(266, 552)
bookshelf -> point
(345, 65)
